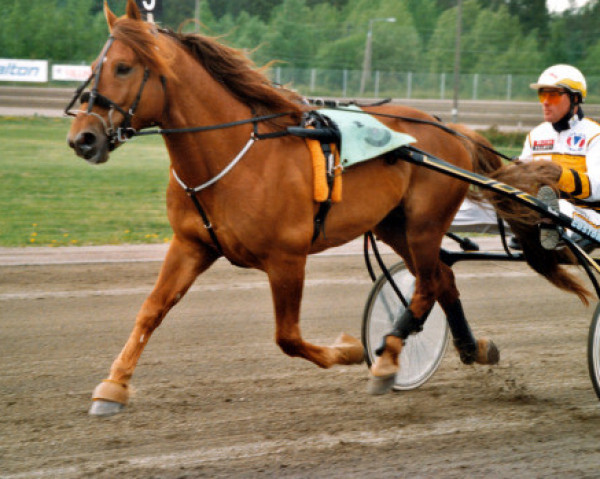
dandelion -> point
(73, 241)
(65, 235)
(32, 240)
(34, 234)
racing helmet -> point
(563, 76)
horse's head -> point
(127, 87)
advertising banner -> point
(71, 72)
(23, 70)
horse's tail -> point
(484, 161)
(523, 221)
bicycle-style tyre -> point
(593, 350)
(423, 352)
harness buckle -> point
(125, 134)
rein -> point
(420, 121)
(117, 135)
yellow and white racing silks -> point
(577, 150)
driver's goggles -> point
(550, 96)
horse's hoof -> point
(103, 408)
(350, 350)
(487, 352)
(379, 385)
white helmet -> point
(563, 76)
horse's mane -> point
(229, 66)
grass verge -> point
(51, 198)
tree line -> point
(498, 36)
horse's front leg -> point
(183, 263)
(286, 278)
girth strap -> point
(207, 224)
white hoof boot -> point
(379, 385)
(110, 397)
(103, 408)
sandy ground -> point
(215, 397)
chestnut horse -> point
(260, 207)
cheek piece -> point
(115, 135)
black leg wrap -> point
(403, 327)
(461, 332)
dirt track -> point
(216, 398)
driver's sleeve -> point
(584, 185)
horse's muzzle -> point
(90, 145)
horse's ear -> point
(111, 18)
(133, 11)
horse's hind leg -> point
(183, 263)
(470, 350)
(420, 252)
(434, 281)
(286, 277)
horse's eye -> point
(123, 69)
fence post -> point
(408, 85)
(508, 86)
(475, 84)
(278, 75)
(313, 78)
(442, 86)
(376, 84)
(345, 84)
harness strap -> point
(136, 102)
(223, 172)
(207, 224)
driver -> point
(570, 140)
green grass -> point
(49, 197)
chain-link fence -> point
(411, 85)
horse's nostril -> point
(88, 139)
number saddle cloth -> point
(362, 138)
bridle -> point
(116, 135)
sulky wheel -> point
(423, 351)
(593, 351)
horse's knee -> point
(153, 312)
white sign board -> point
(23, 70)
(71, 72)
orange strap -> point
(319, 163)
(321, 192)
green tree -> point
(290, 36)
(531, 14)
(589, 65)
(425, 14)
(440, 49)
(490, 37)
